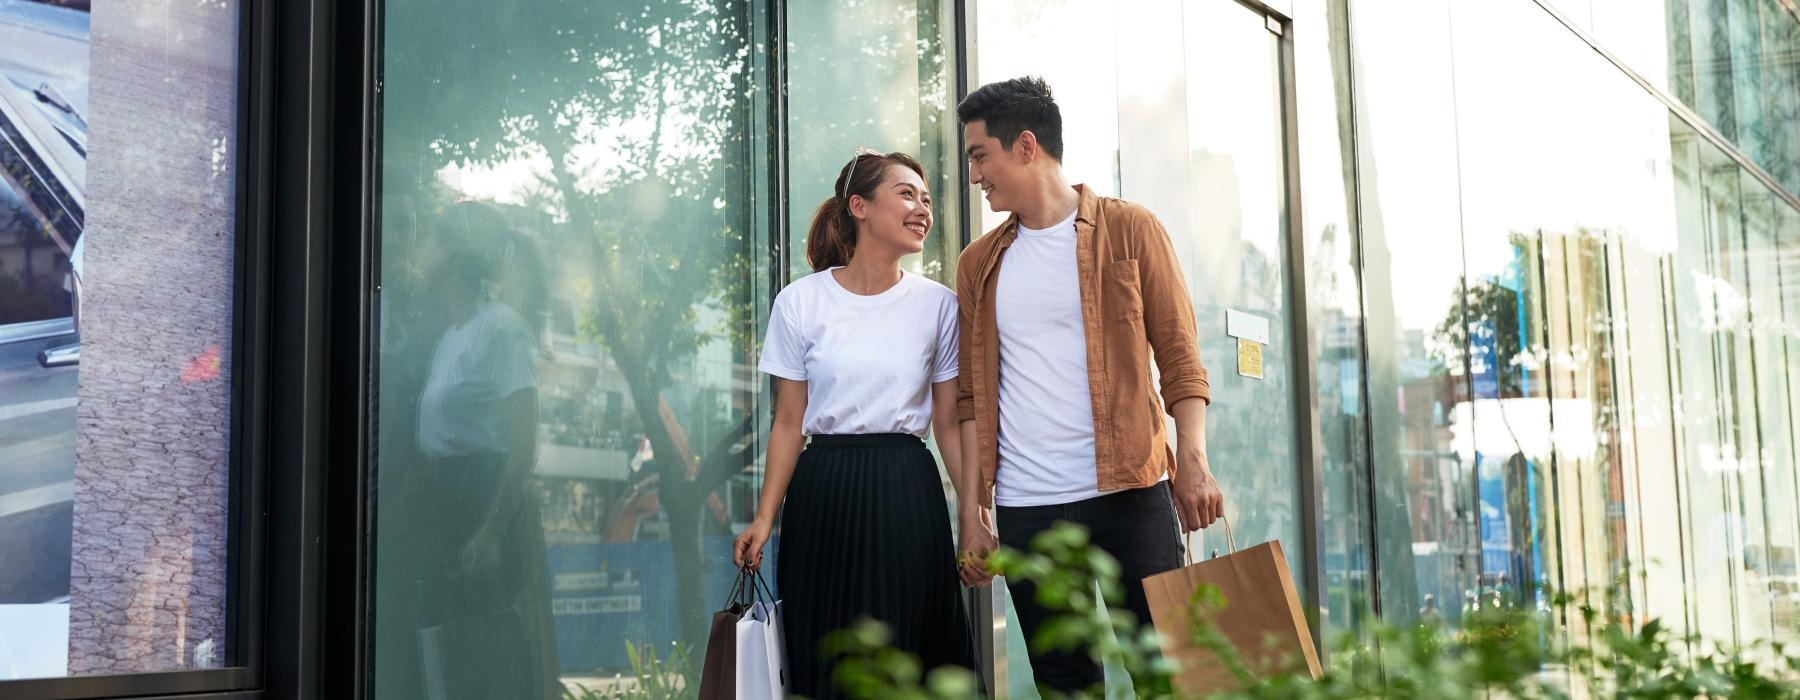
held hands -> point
(977, 542)
(747, 549)
(1198, 500)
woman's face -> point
(898, 215)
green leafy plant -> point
(652, 678)
(1497, 651)
(869, 668)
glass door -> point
(1179, 106)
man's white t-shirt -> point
(475, 368)
(1046, 409)
(868, 361)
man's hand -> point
(1198, 500)
(978, 541)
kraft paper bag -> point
(1260, 616)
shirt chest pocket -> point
(1122, 297)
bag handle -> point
(737, 588)
(757, 588)
(1230, 541)
(762, 588)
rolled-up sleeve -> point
(965, 321)
(1169, 318)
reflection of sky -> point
(1071, 44)
(1504, 427)
(44, 43)
(1489, 139)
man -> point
(1062, 308)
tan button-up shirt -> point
(1133, 302)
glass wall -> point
(574, 221)
(1140, 86)
(881, 75)
(1324, 124)
(1576, 333)
(579, 238)
(1733, 62)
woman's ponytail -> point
(832, 238)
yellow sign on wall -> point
(1250, 356)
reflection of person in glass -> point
(485, 615)
(865, 360)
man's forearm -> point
(970, 496)
(1190, 425)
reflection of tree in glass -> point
(31, 267)
(633, 119)
(1480, 333)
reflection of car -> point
(43, 162)
(71, 353)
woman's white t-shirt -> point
(475, 368)
(868, 361)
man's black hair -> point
(1013, 107)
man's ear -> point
(1026, 145)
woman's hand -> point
(978, 541)
(481, 553)
(748, 547)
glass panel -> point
(1637, 33)
(1704, 304)
(1227, 215)
(114, 489)
(1334, 308)
(1774, 576)
(1424, 483)
(1140, 83)
(1708, 24)
(875, 74)
(1073, 45)
(1732, 62)
(1013, 38)
(574, 225)
(1682, 76)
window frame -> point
(299, 279)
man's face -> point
(997, 171)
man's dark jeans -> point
(1137, 527)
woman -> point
(484, 628)
(865, 360)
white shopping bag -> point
(761, 654)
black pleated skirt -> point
(865, 532)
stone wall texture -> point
(148, 580)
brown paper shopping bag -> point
(718, 674)
(1256, 609)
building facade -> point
(1500, 298)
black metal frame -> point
(305, 82)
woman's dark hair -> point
(1013, 107)
(482, 248)
(831, 240)
(466, 232)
